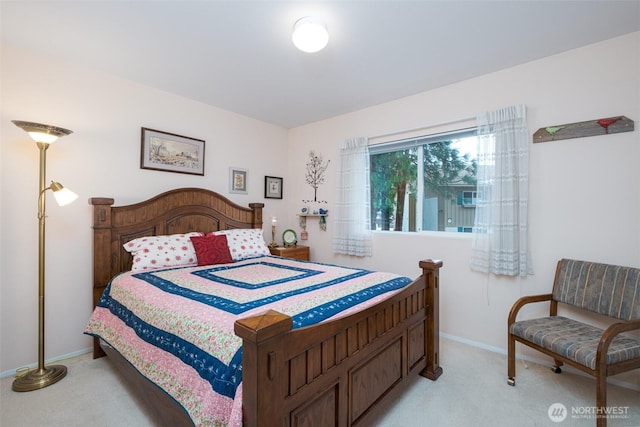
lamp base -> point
(40, 378)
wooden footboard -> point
(336, 373)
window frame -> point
(418, 142)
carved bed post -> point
(431, 273)
(263, 385)
(101, 253)
(257, 214)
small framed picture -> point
(238, 180)
(169, 152)
(272, 187)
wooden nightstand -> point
(295, 252)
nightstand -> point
(295, 252)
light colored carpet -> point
(472, 391)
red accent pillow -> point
(211, 249)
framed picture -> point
(272, 187)
(169, 152)
(238, 180)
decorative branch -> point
(316, 167)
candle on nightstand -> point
(274, 221)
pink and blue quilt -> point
(175, 326)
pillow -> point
(211, 249)
(154, 252)
(245, 243)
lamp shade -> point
(42, 133)
(310, 34)
(63, 196)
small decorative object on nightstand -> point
(289, 238)
(274, 221)
(295, 252)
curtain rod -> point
(432, 125)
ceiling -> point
(238, 55)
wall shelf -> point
(302, 218)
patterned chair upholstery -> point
(609, 290)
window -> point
(425, 183)
(467, 198)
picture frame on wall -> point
(169, 152)
(272, 187)
(238, 180)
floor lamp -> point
(43, 135)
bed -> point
(342, 371)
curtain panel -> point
(352, 216)
(500, 232)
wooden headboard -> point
(176, 211)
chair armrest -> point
(523, 301)
(610, 334)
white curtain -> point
(500, 232)
(352, 216)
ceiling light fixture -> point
(310, 34)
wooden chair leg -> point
(511, 361)
(601, 399)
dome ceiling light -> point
(310, 34)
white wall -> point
(584, 195)
(584, 192)
(100, 159)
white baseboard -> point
(465, 341)
(47, 362)
(539, 361)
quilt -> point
(175, 325)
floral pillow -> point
(211, 249)
(245, 243)
(155, 252)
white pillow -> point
(155, 252)
(245, 243)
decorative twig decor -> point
(580, 129)
(316, 168)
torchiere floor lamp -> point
(43, 135)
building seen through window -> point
(425, 183)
